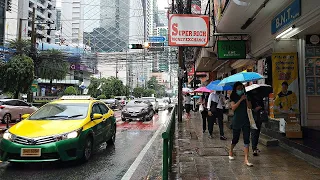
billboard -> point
(285, 82)
(188, 30)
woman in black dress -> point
(239, 104)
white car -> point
(154, 103)
(163, 104)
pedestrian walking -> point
(239, 104)
(204, 112)
(258, 109)
(187, 104)
(215, 104)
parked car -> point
(122, 100)
(12, 109)
(154, 103)
(163, 104)
(137, 109)
(112, 103)
(62, 130)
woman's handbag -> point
(251, 119)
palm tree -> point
(53, 65)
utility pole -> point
(180, 61)
(20, 30)
(32, 48)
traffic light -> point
(136, 46)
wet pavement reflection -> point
(106, 163)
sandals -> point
(249, 164)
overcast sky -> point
(161, 3)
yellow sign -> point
(285, 82)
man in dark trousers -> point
(215, 106)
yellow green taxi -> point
(65, 129)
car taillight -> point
(2, 107)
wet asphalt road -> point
(106, 163)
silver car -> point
(12, 109)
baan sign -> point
(188, 30)
(231, 49)
(286, 16)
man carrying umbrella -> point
(215, 106)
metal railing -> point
(168, 138)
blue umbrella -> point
(241, 77)
(215, 87)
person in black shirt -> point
(257, 108)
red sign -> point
(188, 30)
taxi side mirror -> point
(96, 116)
(25, 116)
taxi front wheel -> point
(87, 151)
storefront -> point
(288, 47)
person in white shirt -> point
(187, 104)
(215, 106)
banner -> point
(285, 82)
(188, 30)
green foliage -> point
(53, 65)
(149, 92)
(22, 46)
(102, 96)
(138, 92)
(70, 91)
(17, 75)
(153, 83)
(110, 87)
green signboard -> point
(231, 49)
(34, 86)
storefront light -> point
(285, 32)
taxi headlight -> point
(73, 134)
(8, 136)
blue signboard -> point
(6, 53)
(286, 16)
(157, 39)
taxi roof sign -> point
(76, 98)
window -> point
(11, 103)
(96, 109)
(104, 109)
(21, 103)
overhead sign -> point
(286, 16)
(188, 30)
(157, 39)
(231, 49)
(156, 46)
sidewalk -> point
(199, 157)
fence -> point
(168, 138)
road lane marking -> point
(138, 160)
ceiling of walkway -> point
(239, 11)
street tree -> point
(102, 96)
(21, 46)
(153, 83)
(70, 91)
(138, 92)
(53, 65)
(149, 92)
(17, 75)
(95, 87)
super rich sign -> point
(231, 49)
(188, 30)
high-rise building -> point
(45, 15)
(72, 21)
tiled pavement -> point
(199, 157)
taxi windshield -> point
(61, 111)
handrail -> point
(168, 138)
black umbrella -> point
(262, 90)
